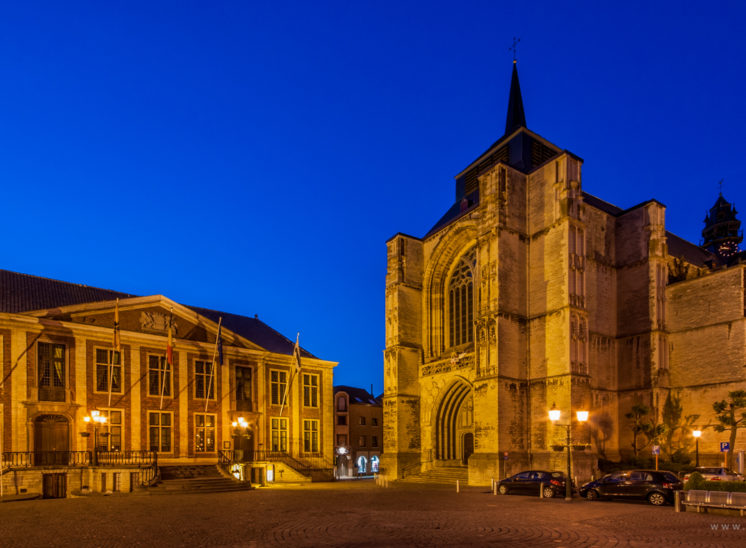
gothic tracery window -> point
(461, 300)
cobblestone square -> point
(357, 514)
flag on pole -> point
(219, 353)
(170, 343)
(117, 341)
(296, 354)
(296, 370)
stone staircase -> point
(440, 475)
(195, 479)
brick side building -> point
(60, 369)
(530, 293)
(358, 431)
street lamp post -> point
(97, 419)
(554, 416)
(696, 434)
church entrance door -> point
(468, 444)
(454, 422)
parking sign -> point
(656, 450)
(724, 446)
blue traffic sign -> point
(656, 450)
(724, 446)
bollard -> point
(677, 500)
(494, 489)
(458, 490)
(541, 490)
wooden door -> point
(51, 440)
(54, 486)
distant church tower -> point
(722, 232)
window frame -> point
(107, 412)
(204, 376)
(164, 369)
(278, 434)
(161, 428)
(50, 389)
(310, 435)
(110, 353)
(310, 390)
(205, 429)
(281, 385)
(459, 300)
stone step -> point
(198, 485)
(189, 471)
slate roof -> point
(24, 292)
(456, 211)
(357, 395)
(679, 247)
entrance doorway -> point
(468, 447)
(51, 440)
(243, 444)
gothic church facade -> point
(530, 293)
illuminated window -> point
(108, 361)
(243, 389)
(279, 434)
(159, 431)
(461, 300)
(51, 361)
(204, 380)
(204, 433)
(311, 436)
(159, 376)
(310, 390)
(278, 381)
(114, 428)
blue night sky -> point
(254, 158)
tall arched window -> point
(461, 300)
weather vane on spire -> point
(720, 184)
(514, 47)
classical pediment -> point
(151, 315)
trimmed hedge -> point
(697, 482)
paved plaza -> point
(357, 514)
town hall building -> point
(530, 294)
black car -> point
(655, 486)
(528, 482)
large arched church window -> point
(460, 300)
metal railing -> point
(29, 459)
(303, 465)
(116, 458)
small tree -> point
(731, 414)
(643, 429)
(674, 432)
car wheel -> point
(547, 492)
(503, 489)
(592, 495)
(656, 499)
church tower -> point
(722, 232)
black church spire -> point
(516, 117)
(722, 232)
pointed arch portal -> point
(456, 404)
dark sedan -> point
(655, 486)
(529, 482)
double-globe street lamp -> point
(555, 415)
(98, 420)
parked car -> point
(655, 486)
(528, 482)
(716, 473)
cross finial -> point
(514, 47)
(721, 186)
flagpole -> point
(116, 347)
(296, 359)
(212, 367)
(169, 355)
